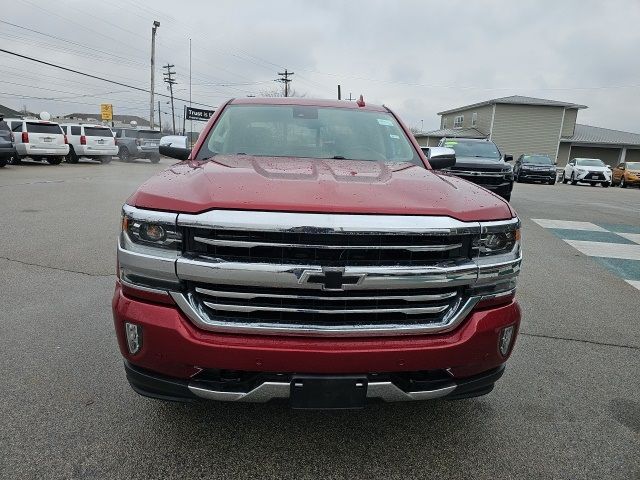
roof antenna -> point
(360, 101)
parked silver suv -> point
(138, 143)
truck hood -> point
(313, 185)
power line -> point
(95, 76)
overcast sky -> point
(418, 57)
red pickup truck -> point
(308, 250)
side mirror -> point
(441, 157)
(178, 153)
(508, 158)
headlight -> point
(580, 170)
(153, 229)
(498, 238)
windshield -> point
(44, 128)
(633, 165)
(473, 149)
(537, 160)
(308, 132)
(150, 134)
(589, 162)
(97, 132)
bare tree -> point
(279, 92)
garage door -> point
(633, 155)
(609, 156)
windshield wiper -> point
(338, 157)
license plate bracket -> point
(328, 392)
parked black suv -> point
(535, 168)
(480, 161)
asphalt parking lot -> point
(568, 406)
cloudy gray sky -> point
(418, 57)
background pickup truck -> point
(307, 250)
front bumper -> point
(269, 387)
(632, 181)
(538, 175)
(593, 177)
(173, 347)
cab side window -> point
(16, 126)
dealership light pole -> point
(156, 24)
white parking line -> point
(634, 283)
(609, 250)
(634, 237)
(568, 225)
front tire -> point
(54, 160)
(3, 161)
(606, 184)
(15, 160)
(622, 183)
(552, 181)
(573, 179)
(564, 178)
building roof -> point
(516, 100)
(453, 132)
(116, 118)
(590, 134)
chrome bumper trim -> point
(266, 391)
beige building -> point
(524, 125)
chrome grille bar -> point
(256, 308)
(249, 244)
(251, 296)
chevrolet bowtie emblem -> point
(331, 279)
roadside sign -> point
(198, 114)
(106, 110)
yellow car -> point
(626, 173)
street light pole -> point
(156, 24)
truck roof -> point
(310, 102)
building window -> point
(474, 119)
(457, 122)
(444, 122)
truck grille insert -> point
(326, 249)
(324, 308)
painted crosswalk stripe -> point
(609, 250)
(568, 225)
(615, 247)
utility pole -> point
(339, 93)
(168, 79)
(159, 117)
(286, 80)
(156, 24)
(351, 99)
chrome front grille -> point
(324, 308)
(267, 273)
(324, 248)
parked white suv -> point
(587, 170)
(39, 139)
(91, 141)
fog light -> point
(133, 333)
(506, 336)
